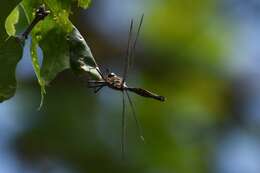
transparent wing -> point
(123, 134)
(138, 124)
(132, 51)
(128, 54)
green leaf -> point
(81, 58)
(11, 21)
(10, 55)
(5, 8)
(36, 67)
(55, 52)
(16, 22)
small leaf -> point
(81, 58)
(11, 21)
(10, 55)
(16, 22)
(36, 67)
(5, 9)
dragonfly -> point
(118, 83)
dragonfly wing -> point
(123, 134)
(128, 50)
(132, 51)
(138, 124)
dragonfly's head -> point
(114, 81)
(110, 75)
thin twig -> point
(41, 13)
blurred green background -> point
(202, 55)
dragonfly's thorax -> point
(115, 82)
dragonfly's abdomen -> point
(145, 93)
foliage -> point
(50, 35)
(10, 53)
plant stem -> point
(41, 13)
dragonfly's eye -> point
(111, 75)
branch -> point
(41, 13)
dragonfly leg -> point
(97, 89)
(96, 82)
(101, 74)
(96, 86)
